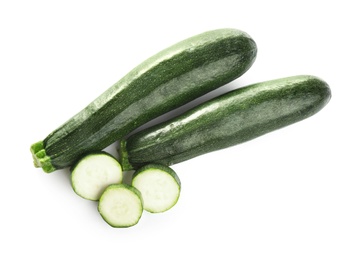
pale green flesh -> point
(160, 191)
(121, 205)
(93, 174)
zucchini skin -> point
(232, 118)
(169, 79)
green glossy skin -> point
(230, 119)
(164, 82)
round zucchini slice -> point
(94, 173)
(121, 205)
(159, 185)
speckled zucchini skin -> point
(230, 119)
(164, 82)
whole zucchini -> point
(230, 119)
(164, 82)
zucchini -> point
(159, 185)
(232, 118)
(93, 173)
(121, 205)
(169, 79)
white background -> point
(285, 195)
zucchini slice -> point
(169, 79)
(121, 205)
(93, 173)
(159, 185)
(227, 120)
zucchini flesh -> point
(94, 173)
(169, 79)
(121, 205)
(159, 185)
(227, 120)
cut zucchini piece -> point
(94, 173)
(159, 185)
(121, 205)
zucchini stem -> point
(124, 157)
(41, 159)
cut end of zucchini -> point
(41, 159)
(94, 173)
(124, 160)
(121, 205)
(159, 185)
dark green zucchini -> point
(230, 119)
(164, 82)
